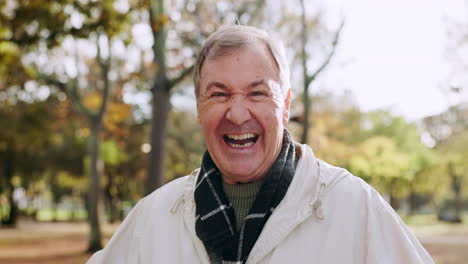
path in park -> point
(447, 249)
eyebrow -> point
(256, 83)
(224, 87)
(215, 84)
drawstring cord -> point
(177, 204)
(181, 199)
(317, 203)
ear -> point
(287, 104)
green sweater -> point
(242, 196)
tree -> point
(380, 161)
(93, 21)
(184, 151)
(336, 126)
(23, 26)
(447, 132)
(23, 142)
(160, 97)
(394, 154)
(93, 110)
(308, 78)
(66, 154)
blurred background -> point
(97, 109)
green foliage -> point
(383, 149)
(24, 126)
(60, 215)
(449, 132)
(392, 155)
(454, 151)
(185, 145)
(112, 154)
(379, 160)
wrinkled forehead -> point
(227, 54)
(218, 51)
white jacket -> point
(327, 216)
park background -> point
(97, 109)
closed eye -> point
(258, 96)
(218, 94)
(258, 93)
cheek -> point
(209, 114)
(276, 108)
(269, 114)
(202, 108)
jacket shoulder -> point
(351, 188)
(167, 194)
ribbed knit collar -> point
(242, 190)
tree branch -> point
(71, 90)
(312, 77)
(77, 101)
(258, 6)
(49, 80)
(104, 64)
(29, 40)
(245, 6)
(158, 20)
(178, 79)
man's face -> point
(242, 110)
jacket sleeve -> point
(389, 239)
(123, 246)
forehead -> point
(239, 64)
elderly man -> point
(258, 196)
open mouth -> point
(241, 141)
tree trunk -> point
(55, 195)
(96, 207)
(309, 78)
(111, 199)
(456, 188)
(9, 171)
(160, 100)
(161, 108)
(85, 199)
(96, 168)
(13, 215)
(413, 202)
(394, 201)
(305, 95)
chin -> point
(243, 176)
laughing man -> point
(258, 197)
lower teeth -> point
(241, 146)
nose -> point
(238, 112)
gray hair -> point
(237, 36)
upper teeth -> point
(240, 137)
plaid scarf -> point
(215, 223)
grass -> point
(61, 215)
(429, 225)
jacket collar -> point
(294, 208)
(189, 215)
